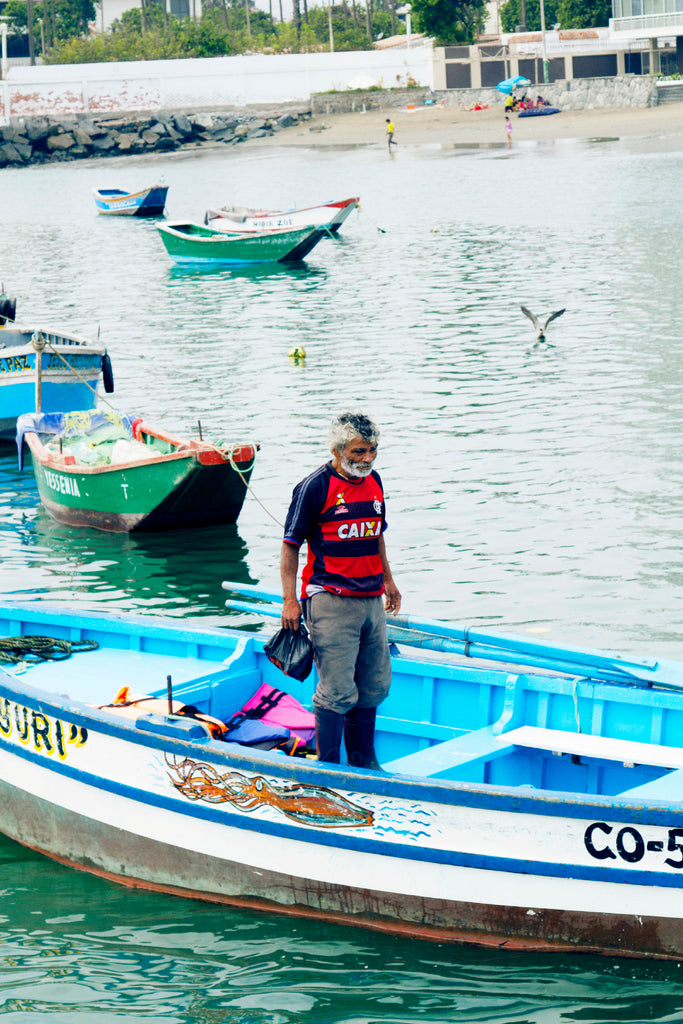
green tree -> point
(347, 34)
(569, 14)
(62, 19)
(450, 21)
(511, 15)
(584, 13)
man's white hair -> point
(348, 425)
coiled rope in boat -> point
(33, 649)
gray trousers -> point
(350, 650)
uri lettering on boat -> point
(305, 804)
(604, 842)
(49, 735)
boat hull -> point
(331, 216)
(149, 202)
(174, 492)
(104, 848)
(197, 245)
(152, 802)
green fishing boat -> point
(114, 472)
(196, 243)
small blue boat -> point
(538, 111)
(531, 797)
(43, 371)
(150, 202)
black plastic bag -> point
(292, 651)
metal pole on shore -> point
(31, 39)
(329, 17)
(3, 35)
(546, 76)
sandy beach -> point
(656, 128)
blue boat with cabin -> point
(531, 796)
(45, 371)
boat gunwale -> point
(50, 460)
(116, 195)
(208, 234)
(56, 339)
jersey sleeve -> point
(303, 516)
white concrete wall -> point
(203, 82)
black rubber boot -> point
(328, 734)
(359, 738)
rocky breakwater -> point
(45, 139)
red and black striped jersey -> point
(342, 521)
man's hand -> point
(291, 613)
(392, 597)
(289, 564)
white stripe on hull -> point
(467, 830)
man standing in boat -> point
(339, 511)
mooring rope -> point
(248, 487)
(33, 649)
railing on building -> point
(662, 24)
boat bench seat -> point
(629, 752)
(442, 758)
(667, 787)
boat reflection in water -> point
(174, 573)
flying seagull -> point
(538, 326)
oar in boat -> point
(249, 590)
(269, 610)
(468, 649)
(439, 636)
(412, 637)
(522, 645)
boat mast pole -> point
(38, 342)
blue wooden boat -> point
(538, 111)
(47, 372)
(531, 798)
(149, 202)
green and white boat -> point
(188, 243)
(113, 472)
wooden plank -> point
(603, 747)
(471, 747)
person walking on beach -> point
(508, 131)
(390, 134)
(339, 511)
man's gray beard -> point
(355, 468)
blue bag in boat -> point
(252, 732)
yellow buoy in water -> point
(298, 352)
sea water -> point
(531, 488)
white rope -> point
(248, 487)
